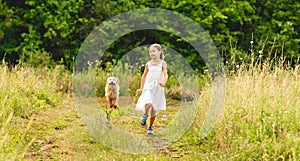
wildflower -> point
(260, 56)
(237, 66)
(260, 51)
(251, 42)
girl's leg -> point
(145, 116)
(152, 118)
(147, 108)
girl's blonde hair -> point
(159, 48)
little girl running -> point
(152, 86)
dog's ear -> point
(118, 80)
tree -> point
(58, 28)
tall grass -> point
(266, 104)
(260, 120)
(10, 147)
(28, 90)
(24, 93)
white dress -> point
(152, 92)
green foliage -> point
(30, 28)
(41, 26)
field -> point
(260, 119)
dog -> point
(112, 88)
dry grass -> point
(260, 120)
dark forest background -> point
(50, 32)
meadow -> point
(260, 119)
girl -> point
(152, 86)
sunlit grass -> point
(24, 93)
(260, 120)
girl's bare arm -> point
(165, 72)
(143, 80)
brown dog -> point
(112, 91)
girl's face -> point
(154, 52)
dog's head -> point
(112, 81)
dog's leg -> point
(111, 103)
(115, 106)
(114, 103)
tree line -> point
(49, 32)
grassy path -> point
(61, 135)
(260, 120)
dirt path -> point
(61, 135)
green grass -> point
(260, 120)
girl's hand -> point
(162, 84)
(139, 91)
